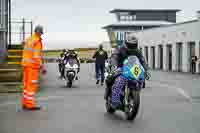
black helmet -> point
(131, 42)
(39, 29)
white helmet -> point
(131, 41)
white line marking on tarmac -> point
(183, 93)
(179, 90)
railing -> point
(19, 31)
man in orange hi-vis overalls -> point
(32, 63)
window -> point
(123, 18)
(131, 18)
(134, 17)
(127, 17)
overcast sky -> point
(80, 21)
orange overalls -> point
(32, 62)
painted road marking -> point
(178, 89)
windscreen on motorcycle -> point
(132, 69)
(72, 61)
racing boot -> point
(97, 82)
(31, 109)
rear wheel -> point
(109, 108)
(133, 107)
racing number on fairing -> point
(136, 71)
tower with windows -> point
(127, 20)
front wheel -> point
(109, 108)
(69, 84)
(133, 107)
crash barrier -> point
(50, 60)
(53, 60)
(86, 60)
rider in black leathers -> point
(120, 54)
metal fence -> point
(3, 14)
(20, 30)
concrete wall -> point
(185, 33)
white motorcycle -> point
(106, 70)
(71, 71)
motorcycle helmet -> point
(131, 42)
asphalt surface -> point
(170, 103)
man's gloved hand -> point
(43, 70)
(119, 70)
(116, 70)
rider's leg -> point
(102, 68)
(109, 82)
(117, 90)
(97, 69)
(77, 75)
(62, 71)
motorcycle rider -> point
(115, 83)
(71, 54)
(61, 62)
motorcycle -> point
(133, 72)
(107, 69)
(71, 71)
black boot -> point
(32, 109)
(97, 82)
(102, 82)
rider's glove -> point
(119, 70)
(116, 70)
(43, 70)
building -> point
(135, 20)
(170, 47)
(3, 28)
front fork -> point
(126, 95)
